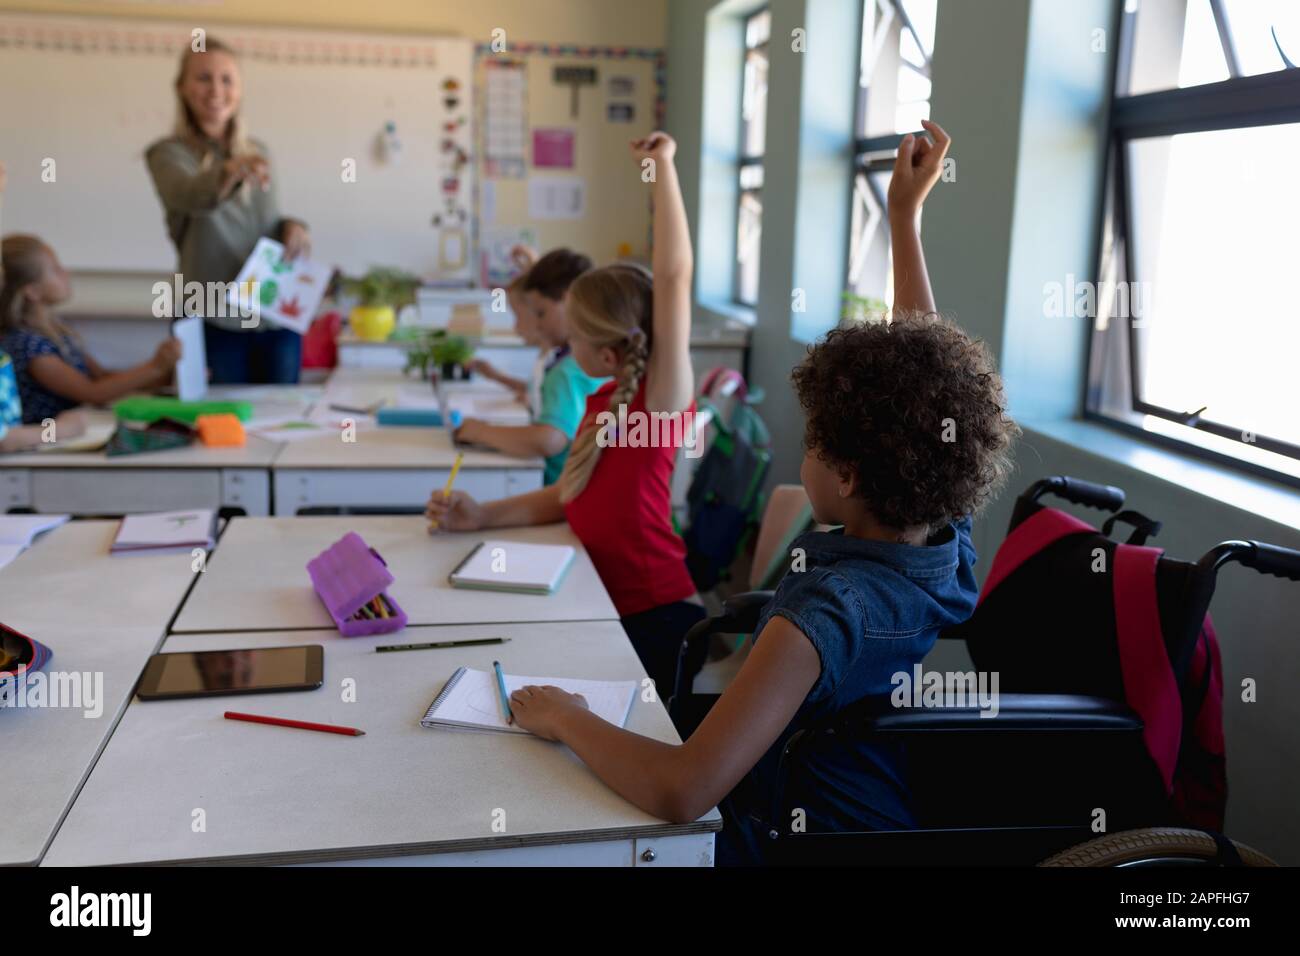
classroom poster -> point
(505, 117)
(496, 268)
(557, 198)
(554, 148)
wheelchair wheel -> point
(1154, 846)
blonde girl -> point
(54, 371)
(635, 328)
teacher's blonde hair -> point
(187, 128)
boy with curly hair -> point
(907, 436)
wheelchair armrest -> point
(1035, 713)
(1017, 713)
(741, 611)
(740, 614)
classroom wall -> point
(639, 23)
(609, 223)
(1018, 86)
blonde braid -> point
(585, 450)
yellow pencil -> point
(451, 479)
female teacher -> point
(217, 191)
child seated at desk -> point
(527, 390)
(14, 435)
(906, 436)
(54, 371)
(615, 490)
(565, 384)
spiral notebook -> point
(471, 700)
(514, 566)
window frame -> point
(745, 160)
(1239, 102)
(875, 154)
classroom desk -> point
(402, 794)
(99, 615)
(390, 469)
(256, 579)
(91, 483)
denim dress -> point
(871, 609)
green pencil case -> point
(149, 408)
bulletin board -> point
(563, 154)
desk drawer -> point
(113, 491)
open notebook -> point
(471, 701)
(514, 566)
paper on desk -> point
(8, 552)
(291, 431)
(94, 438)
(192, 369)
(23, 529)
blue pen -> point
(501, 686)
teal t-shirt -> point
(565, 389)
(11, 407)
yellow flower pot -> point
(373, 323)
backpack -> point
(725, 496)
(1067, 610)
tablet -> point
(219, 673)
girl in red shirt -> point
(615, 487)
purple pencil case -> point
(348, 576)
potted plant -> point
(436, 349)
(380, 293)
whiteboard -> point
(92, 94)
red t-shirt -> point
(624, 515)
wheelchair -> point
(1021, 787)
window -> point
(753, 130)
(893, 98)
(1196, 330)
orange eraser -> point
(221, 430)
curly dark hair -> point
(914, 409)
(553, 273)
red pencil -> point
(300, 724)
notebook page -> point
(476, 701)
(23, 529)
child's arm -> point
(917, 168)
(681, 782)
(488, 370)
(55, 375)
(460, 512)
(670, 382)
(69, 424)
(518, 441)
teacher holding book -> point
(218, 194)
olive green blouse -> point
(213, 238)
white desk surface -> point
(388, 448)
(257, 577)
(278, 795)
(68, 578)
(270, 402)
(98, 614)
(257, 453)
